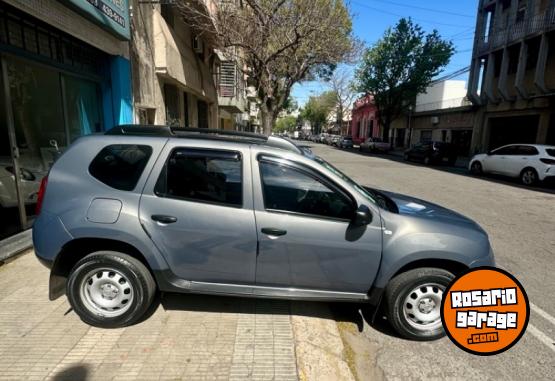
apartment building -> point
(512, 77)
(174, 68)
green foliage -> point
(317, 109)
(285, 124)
(400, 66)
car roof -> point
(245, 138)
(529, 145)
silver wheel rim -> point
(528, 177)
(106, 292)
(422, 307)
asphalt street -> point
(521, 225)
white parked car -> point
(529, 162)
(30, 184)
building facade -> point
(364, 120)
(512, 78)
(442, 113)
(65, 72)
(175, 71)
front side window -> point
(120, 165)
(202, 175)
(510, 150)
(290, 190)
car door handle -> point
(273, 231)
(164, 219)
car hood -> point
(417, 208)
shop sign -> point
(112, 15)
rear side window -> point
(550, 151)
(120, 165)
(527, 151)
(203, 176)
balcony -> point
(529, 27)
(231, 90)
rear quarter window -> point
(120, 165)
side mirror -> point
(363, 216)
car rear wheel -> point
(109, 289)
(529, 176)
(476, 168)
(413, 303)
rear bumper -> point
(49, 236)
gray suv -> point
(142, 209)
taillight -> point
(40, 195)
(548, 161)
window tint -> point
(510, 150)
(203, 175)
(550, 151)
(120, 166)
(527, 151)
(291, 190)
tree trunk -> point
(268, 120)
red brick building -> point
(365, 123)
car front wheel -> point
(476, 168)
(413, 303)
(108, 289)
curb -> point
(15, 244)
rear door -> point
(197, 208)
(524, 158)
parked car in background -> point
(8, 194)
(346, 142)
(432, 153)
(335, 140)
(145, 209)
(374, 145)
(323, 138)
(530, 163)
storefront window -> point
(38, 115)
(82, 107)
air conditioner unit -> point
(435, 119)
(197, 45)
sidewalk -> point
(189, 337)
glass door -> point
(10, 220)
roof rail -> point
(178, 131)
(203, 133)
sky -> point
(455, 20)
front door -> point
(498, 161)
(197, 208)
(306, 239)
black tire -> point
(131, 274)
(529, 176)
(401, 288)
(476, 168)
(427, 160)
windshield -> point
(365, 193)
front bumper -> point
(488, 260)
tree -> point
(282, 42)
(286, 124)
(317, 109)
(400, 66)
(345, 93)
